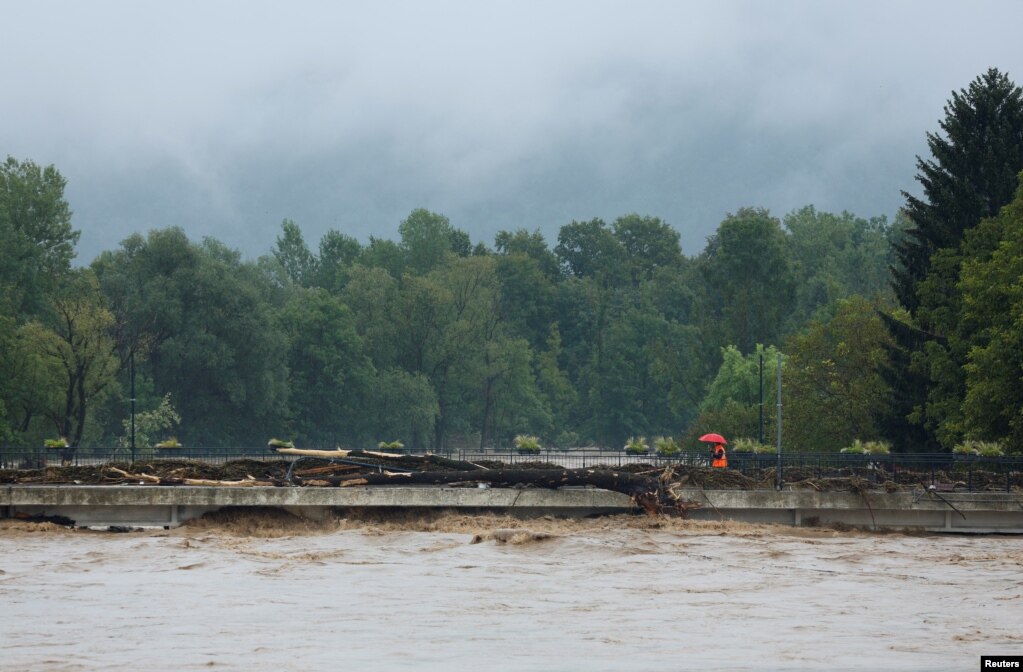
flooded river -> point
(489, 593)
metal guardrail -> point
(21, 457)
(943, 470)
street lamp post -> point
(132, 375)
(779, 423)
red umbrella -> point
(713, 438)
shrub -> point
(279, 443)
(981, 448)
(527, 444)
(666, 445)
(877, 448)
(56, 443)
(172, 442)
(747, 445)
(636, 446)
(857, 448)
(390, 445)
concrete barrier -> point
(976, 512)
(143, 505)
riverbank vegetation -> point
(903, 331)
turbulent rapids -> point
(265, 590)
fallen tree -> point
(649, 491)
(401, 459)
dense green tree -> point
(329, 374)
(590, 250)
(649, 244)
(76, 344)
(37, 242)
(732, 404)
(427, 238)
(292, 253)
(525, 297)
(339, 253)
(532, 245)
(401, 406)
(971, 175)
(150, 426)
(836, 256)
(992, 302)
(8, 385)
(372, 293)
(555, 387)
(750, 265)
(205, 322)
(738, 378)
(832, 389)
(385, 254)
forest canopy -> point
(903, 331)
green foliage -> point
(749, 445)
(649, 244)
(972, 174)
(292, 253)
(832, 388)
(666, 446)
(280, 443)
(637, 445)
(56, 443)
(835, 257)
(992, 312)
(36, 239)
(857, 447)
(590, 250)
(390, 445)
(750, 267)
(77, 354)
(732, 419)
(427, 238)
(613, 332)
(167, 444)
(526, 443)
(979, 448)
(738, 378)
(205, 322)
(149, 424)
(877, 447)
(329, 373)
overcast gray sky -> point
(227, 117)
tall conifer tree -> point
(971, 174)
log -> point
(334, 454)
(391, 457)
(146, 478)
(646, 490)
(244, 483)
(329, 469)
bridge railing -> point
(942, 470)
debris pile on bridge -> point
(654, 488)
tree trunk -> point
(644, 489)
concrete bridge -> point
(148, 505)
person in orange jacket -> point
(720, 459)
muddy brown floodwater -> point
(452, 592)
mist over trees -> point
(906, 331)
